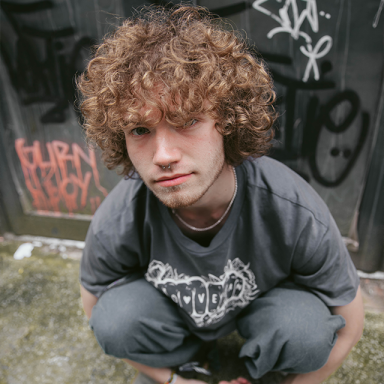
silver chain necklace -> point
(218, 221)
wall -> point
(326, 59)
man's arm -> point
(88, 300)
(348, 336)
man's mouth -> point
(172, 180)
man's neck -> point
(211, 207)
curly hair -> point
(200, 65)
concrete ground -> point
(45, 338)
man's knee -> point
(307, 344)
(310, 329)
(114, 329)
(136, 319)
(288, 329)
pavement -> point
(45, 338)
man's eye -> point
(139, 131)
(190, 123)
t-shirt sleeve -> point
(100, 269)
(322, 263)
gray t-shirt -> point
(278, 229)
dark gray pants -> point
(287, 329)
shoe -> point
(140, 378)
(207, 356)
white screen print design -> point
(206, 299)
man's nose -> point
(166, 147)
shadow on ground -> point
(45, 336)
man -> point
(211, 236)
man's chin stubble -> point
(176, 202)
(171, 201)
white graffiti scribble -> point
(292, 27)
(314, 54)
(206, 299)
(378, 14)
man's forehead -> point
(156, 102)
(151, 113)
(150, 107)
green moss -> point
(45, 336)
(365, 363)
(44, 333)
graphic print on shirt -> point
(206, 299)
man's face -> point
(195, 153)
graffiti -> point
(313, 54)
(324, 120)
(51, 80)
(44, 80)
(293, 28)
(292, 86)
(326, 15)
(318, 118)
(50, 181)
(378, 14)
(309, 14)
